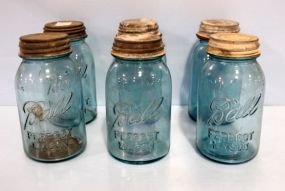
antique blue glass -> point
(50, 105)
(198, 59)
(138, 109)
(83, 58)
(230, 105)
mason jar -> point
(49, 99)
(138, 99)
(83, 58)
(230, 103)
(199, 56)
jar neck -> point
(52, 58)
(219, 58)
(77, 41)
(134, 60)
(204, 41)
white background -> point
(178, 20)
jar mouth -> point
(138, 58)
(45, 57)
(77, 39)
(233, 58)
(202, 36)
(132, 56)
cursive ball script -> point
(45, 110)
(127, 116)
(225, 110)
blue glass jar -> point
(83, 58)
(138, 99)
(230, 103)
(49, 99)
(198, 59)
(199, 56)
(82, 54)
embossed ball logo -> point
(225, 110)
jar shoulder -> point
(200, 47)
(82, 55)
(45, 69)
(199, 53)
(138, 68)
(122, 75)
(81, 48)
(251, 69)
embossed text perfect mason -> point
(83, 58)
(138, 94)
(230, 99)
(49, 99)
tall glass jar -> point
(231, 94)
(199, 56)
(138, 99)
(49, 99)
(83, 58)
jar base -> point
(159, 151)
(138, 162)
(228, 159)
(42, 158)
(90, 116)
(192, 112)
(192, 117)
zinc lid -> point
(42, 45)
(212, 26)
(140, 25)
(234, 45)
(145, 45)
(74, 29)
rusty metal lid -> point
(234, 45)
(74, 29)
(138, 38)
(42, 45)
(144, 45)
(140, 25)
(212, 26)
